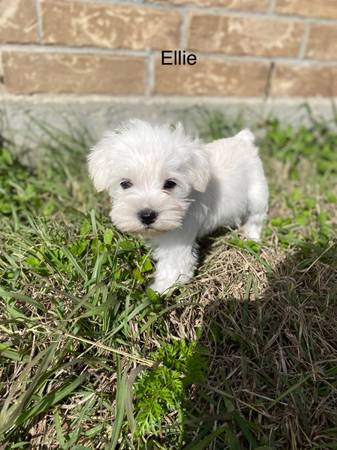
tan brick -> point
(212, 77)
(32, 73)
(304, 81)
(309, 8)
(113, 26)
(322, 42)
(245, 35)
(240, 5)
(18, 23)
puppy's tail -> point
(248, 140)
(246, 135)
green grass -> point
(245, 357)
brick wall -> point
(245, 48)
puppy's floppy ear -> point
(99, 163)
(199, 168)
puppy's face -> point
(149, 199)
(149, 172)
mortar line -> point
(150, 74)
(305, 41)
(184, 29)
(272, 6)
(2, 74)
(39, 20)
(269, 82)
(49, 48)
(156, 99)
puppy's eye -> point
(169, 184)
(125, 184)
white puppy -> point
(173, 189)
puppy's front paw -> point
(160, 286)
(175, 265)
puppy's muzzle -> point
(147, 216)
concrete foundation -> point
(23, 119)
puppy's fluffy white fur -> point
(190, 188)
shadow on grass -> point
(271, 364)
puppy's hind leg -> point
(257, 211)
(252, 228)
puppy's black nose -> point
(147, 216)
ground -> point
(244, 357)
